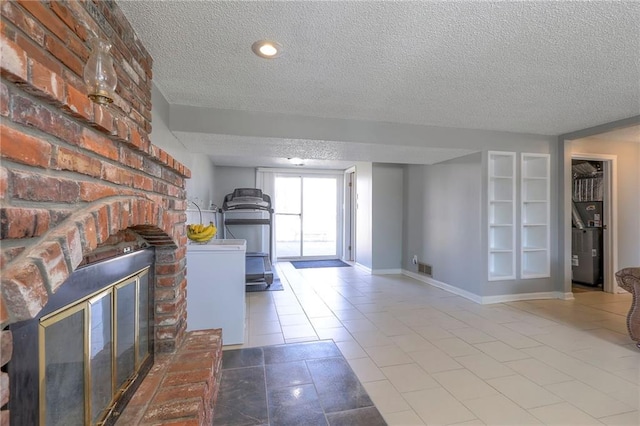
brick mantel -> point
(73, 173)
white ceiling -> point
(529, 67)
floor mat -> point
(333, 263)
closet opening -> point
(590, 220)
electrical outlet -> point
(415, 259)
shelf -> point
(535, 166)
(501, 215)
(501, 237)
(501, 190)
(534, 189)
(534, 220)
(501, 266)
(535, 264)
(501, 164)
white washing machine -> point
(216, 288)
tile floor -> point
(426, 356)
(294, 384)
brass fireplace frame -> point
(84, 305)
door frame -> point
(338, 174)
(349, 233)
(610, 216)
(565, 193)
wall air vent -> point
(423, 268)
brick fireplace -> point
(79, 181)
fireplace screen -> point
(91, 351)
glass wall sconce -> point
(99, 75)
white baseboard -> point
(526, 296)
(566, 296)
(444, 286)
(487, 300)
(364, 268)
(386, 272)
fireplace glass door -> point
(91, 351)
(101, 354)
(64, 368)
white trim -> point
(302, 174)
(449, 288)
(299, 171)
(525, 199)
(496, 251)
(611, 205)
(386, 271)
(361, 266)
(487, 300)
(349, 215)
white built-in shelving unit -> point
(535, 255)
(502, 212)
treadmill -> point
(251, 200)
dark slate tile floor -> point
(291, 385)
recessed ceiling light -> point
(296, 161)
(267, 49)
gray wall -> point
(414, 230)
(453, 213)
(229, 178)
(161, 136)
(200, 186)
(187, 119)
(445, 219)
(226, 180)
(364, 205)
(387, 215)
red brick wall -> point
(74, 173)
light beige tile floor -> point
(427, 356)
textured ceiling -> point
(530, 67)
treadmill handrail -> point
(262, 201)
(246, 207)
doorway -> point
(587, 260)
(308, 219)
(592, 219)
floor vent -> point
(423, 268)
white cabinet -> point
(502, 212)
(535, 255)
(216, 288)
